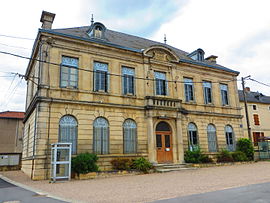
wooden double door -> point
(164, 144)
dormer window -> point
(97, 30)
(197, 55)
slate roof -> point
(255, 97)
(12, 114)
(130, 42)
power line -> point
(14, 46)
(259, 82)
(112, 74)
(15, 37)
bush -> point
(196, 156)
(224, 156)
(239, 156)
(245, 145)
(84, 163)
(122, 164)
(142, 165)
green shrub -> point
(239, 156)
(245, 145)
(142, 165)
(122, 164)
(84, 163)
(196, 156)
(224, 156)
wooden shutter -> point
(256, 119)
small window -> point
(207, 91)
(128, 81)
(69, 72)
(230, 140)
(98, 31)
(254, 107)
(161, 83)
(192, 137)
(189, 89)
(256, 119)
(101, 77)
(224, 94)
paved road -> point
(15, 194)
(257, 193)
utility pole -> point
(246, 108)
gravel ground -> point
(150, 187)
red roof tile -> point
(12, 114)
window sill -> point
(129, 96)
(190, 102)
(70, 88)
(100, 92)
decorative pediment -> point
(161, 53)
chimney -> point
(47, 20)
(212, 59)
(247, 89)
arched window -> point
(212, 138)
(68, 130)
(101, 136)
(192, 136)
(229, 138)
(130, 136)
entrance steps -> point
(168, 167)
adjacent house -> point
(119, 95)
(258, 113)
(11, 132)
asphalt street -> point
(257, 193)
(15, 194)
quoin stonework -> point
(119, 95)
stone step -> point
(162, 168)
(173, 169)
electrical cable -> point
(15, 37)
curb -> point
(39, 192)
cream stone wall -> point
(86, 105)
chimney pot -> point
(247, 89)
(212, 59)
(47, 20)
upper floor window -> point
(128, 81)
(101, 77)
(69, 72)
(130, 136)
(189, 89)
(192, 137)
(256, 119)
(68, 130)
(224, 94)
(98, 31)
(230, 140)
(101, 136)
(254, 107)
(161, 83)
(207, 90)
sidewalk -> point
(151, 187)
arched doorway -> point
(164, 143)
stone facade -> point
(48, 102)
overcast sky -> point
(237, 31)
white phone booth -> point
(61, 161)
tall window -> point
(229, 138)
(207, 91)
(161, 83)
(101, 136)
(69, 72)
(101, 77)
(224, 94)
(212, 138)
(68, 130)
(130, 136)
(128, 80)
(192, 136)
(189, 89)
(256, 119)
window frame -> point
(161, 83)
(227, 102)
(128, 77)
(98, 72)
(102, 129)
(134, 142)
(230, 147)
(189, 87)
(215, 135)
(206, 91)
(192, 146)
(69, 68)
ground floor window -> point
(130, 136)
(192, 137)
(230, 140)
(101, 136)
(212, 138)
